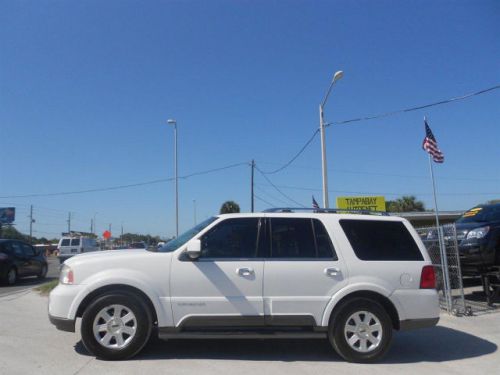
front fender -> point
(130, 278)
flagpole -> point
(442, 248)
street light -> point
(338, 75)
(174, 123)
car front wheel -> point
(116, 326)
(361, 331)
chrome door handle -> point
(332, 271)
(244, 271)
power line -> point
(348, 171)
(375, 193)
(118, 187)
(416, 108)
(296, 155)
(263, 200)
(282, 202)
(386, 114)
(277, 189)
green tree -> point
(406, 203)
(230, 207)
(8, 231)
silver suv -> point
(351, 278)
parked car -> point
(137, 245)
(19, 259)
(70, 246)
(478, 237)
(350, 278)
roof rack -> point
(328, 211)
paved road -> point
(28, 283)
(29, 344)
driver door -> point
(223, 287)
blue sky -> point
(86, 88)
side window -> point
(232, 238)
(28, 250)
(5, 248)
(381, 240)
(292, 238)
(65, 242)
(16, 248)
(75, 242)
(323, 242)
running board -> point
(168, 334)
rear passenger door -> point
(32, 265)
(301, 272)
(20, 259)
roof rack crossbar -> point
(327, 211)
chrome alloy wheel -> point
(115, 326)
(363, 331)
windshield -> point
(481, 214)
(186, 236)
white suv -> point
(349, 278)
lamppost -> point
(338, 75)
(174, 123)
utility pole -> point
(31, 224)
(91, 225)
(251, 186)
(69, 222)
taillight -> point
(428, 278)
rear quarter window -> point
(381, 240)
(65, 242)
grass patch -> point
(45, 289)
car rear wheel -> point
(11, 277)
(116, 326)
(361, 331)
(43, 272)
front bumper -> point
(62, 306)
(62, 324)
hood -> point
(107, 255)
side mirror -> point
(193, 249)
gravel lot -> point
(29, 344)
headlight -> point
(66, 276)
(478, 233)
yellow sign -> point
(361, 203)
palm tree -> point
(229, 207)
(407, 203)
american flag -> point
(315, 204)
(430, 145)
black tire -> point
(11, 276)
(143, 325)
(43, 272)
(339, 337)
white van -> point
(69, 246)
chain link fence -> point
(442, 246)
